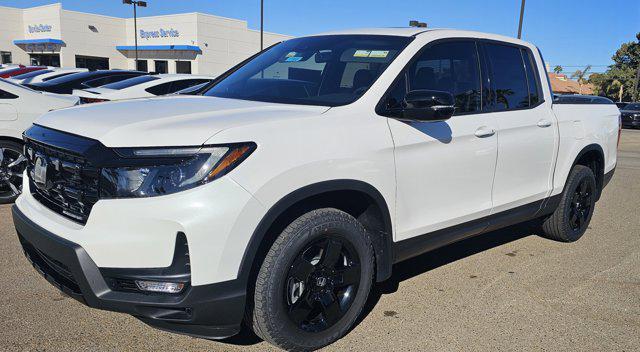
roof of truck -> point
(415, 31)
(397, 31)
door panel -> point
(444, 170)
(444, 173)
(526, 129)
(525, 157)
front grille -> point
(62, 181)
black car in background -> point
(621, 104)
(83, 80)
(580, 99)
(631, 115)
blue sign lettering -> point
(39, 28)
(161, 33)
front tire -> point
(570, 220)
(12, 165)
(314, 281)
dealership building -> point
(181, 43)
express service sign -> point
(161, 33)
(39, 28)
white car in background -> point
(141, 87)
(45, 75)
(19, 107)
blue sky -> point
(569, 33)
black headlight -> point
(170, 170)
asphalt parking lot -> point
(506, 290)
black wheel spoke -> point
(301, 310)
(331, 308)
(331, 253)
(583, 188)
(573, 217)
(348, 276)
(301, 269)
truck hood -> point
(167, 121)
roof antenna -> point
(418, 24)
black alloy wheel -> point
(313, 282)
(581, 203)
(12, 166)
(321, 283)
(571, 218)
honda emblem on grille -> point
(40, 172)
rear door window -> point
(509, 77)
(532, 77)
(7, 95)
(160, 89)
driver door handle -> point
(544, 123)
(484, 131)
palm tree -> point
(581, 76)
(615, 83)
(557, 69)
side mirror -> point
(428, 105)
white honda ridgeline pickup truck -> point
(278, 196)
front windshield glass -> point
(634, 106)
(327, 70)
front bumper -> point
(630, 123)
(210, 311)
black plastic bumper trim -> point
(211, 311)
(607, 177)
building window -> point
(5, 57)
(142, 65)
(183, 66)
(92, 62)
(45, 59)
(162, 66)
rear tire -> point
(12, 164)
(314, 281)
(570, 220)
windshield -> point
(634, 106)
(328, 70)
(31, 74)
(130, 82)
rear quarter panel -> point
(581, 125)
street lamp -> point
(135, 21)
(520, 22)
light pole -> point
(135, 21)
(520, 23)
(261, 25)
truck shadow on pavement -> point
(417, 266)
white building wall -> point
(11, 27)
(223, 42)
(226, 42)
(81, 40)
(42, 15)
